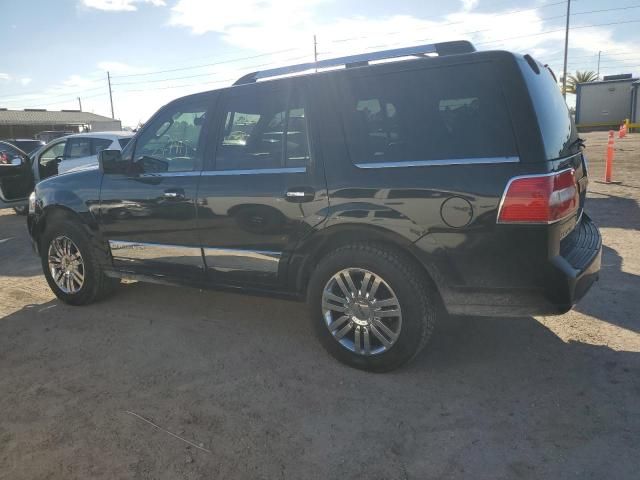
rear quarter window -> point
(555, 122)
(452, 112)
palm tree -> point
(580, 77)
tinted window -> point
(78, 147)
(266, 130)
(123, 142)
(100, 144)
(28, 146)
(170, 143)
(431, 114)
(556, 124)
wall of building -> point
(603, 102)
(636, 107)
(106, 126)
(29, 131)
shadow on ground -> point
(244, 377)
(613, 211)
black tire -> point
(414, 291)
(21, 210)
(96, 285)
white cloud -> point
(468, 5)
(119, 5)
(203, 16)
(5, 76)
(25, 81)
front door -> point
(262, 190)
(16, 179)
(148, 215)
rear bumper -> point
(568, 276)
(577, 265)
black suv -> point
(379, 192)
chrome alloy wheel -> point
(66, 264)
(361, 311)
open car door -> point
(16, 178)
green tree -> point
(580, 77)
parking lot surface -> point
(162, 382)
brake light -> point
(540, 198)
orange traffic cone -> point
(621, 131)
(608, 167)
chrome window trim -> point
(189, 173)
(439, 163)
(219, 173)
(255, 171)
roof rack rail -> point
(441, 49)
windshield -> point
(558, 130)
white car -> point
(61, 155)
(75, 151)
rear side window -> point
(78, 147)
(100, 144)
(556, 125)
(455, 112)
(123, 142)
(263, 128)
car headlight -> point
(32, 202)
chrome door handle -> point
(295, 194)
(173, 195)
(300, 194)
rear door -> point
(77, 154)
(263, 189)
(16, 179)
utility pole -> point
(79, 104)
(566, 48)
(315, 51)
(599, 64)
(111, 96)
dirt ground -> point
(245, 382)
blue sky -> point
(53, 52)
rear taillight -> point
(540, 198)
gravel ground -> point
(243, 381)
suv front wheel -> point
(371, 307)
(70, 267)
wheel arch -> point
(58, 213)
(311, 251)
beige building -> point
(28, 123)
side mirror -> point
(110, 161)
(17, 161)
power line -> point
(68, 100)
(206, 64)
(208, 74)
(57, 95)
(561, 30)
(340, 40)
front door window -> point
(171, 142)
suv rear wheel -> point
(70, 267)
(371, 307)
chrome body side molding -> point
(231, 260)
(124, 251)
